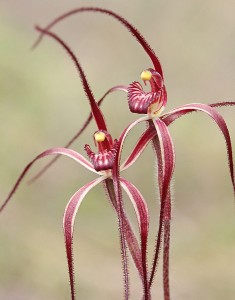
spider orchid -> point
(152, 105)
(105, 163)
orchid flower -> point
(105, 163)
(152, 104)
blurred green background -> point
(42, 105)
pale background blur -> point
(42, 105)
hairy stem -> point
(166, 250)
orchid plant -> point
(106, 163)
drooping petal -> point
(182, 110)
(98, 116)
(142, 214)
(164, 149)
(146, 137)
(67, 152)
(166, 256)
(120, 214)
(169, 118)
(118, 194)
(164, 226)
(168, 154)
(68, 225)
(87, 122)
(123, 138)
(131, 28)
(130, 237)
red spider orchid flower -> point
(106, 165)
(152, 104)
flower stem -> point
(166, 250)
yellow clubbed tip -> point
(99, 136)
(146, 75)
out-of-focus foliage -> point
(42, 105)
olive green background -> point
(42, 105)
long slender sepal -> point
(219, 120)
(130, 237)
(166, 162)
(169, 117)
(142, 214)
(53, 151)
(166, 253)
(123, 21)
(118, 194)
(68, 225)
(120, 213)
(98, 116)
(146, 137)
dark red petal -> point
(123, 138)
(87, 122)
(164, 149)
(141, 211)
(182, 110)
(118, 194)
(166, 254)
(131, 28)
(98, 116)
(169, 118)
(68, 224)
(67, 152)
(130, 237)
(120, 214)
(164, 223)
(146, 137)
(139, 101)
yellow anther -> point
(146, 75)
(99, 136)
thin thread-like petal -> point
(68, 225)
(131, 28)
(164, 229)
(166, 162)
(182, 110)
(120, 213)
(169, 118)
(166, 256)
(125, 133)
(98, 116)
(53, 151)
(132, 242)
(118, 193)
(146, 137)
(142, 214)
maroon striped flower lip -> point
(151, 103)
(107, 149)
